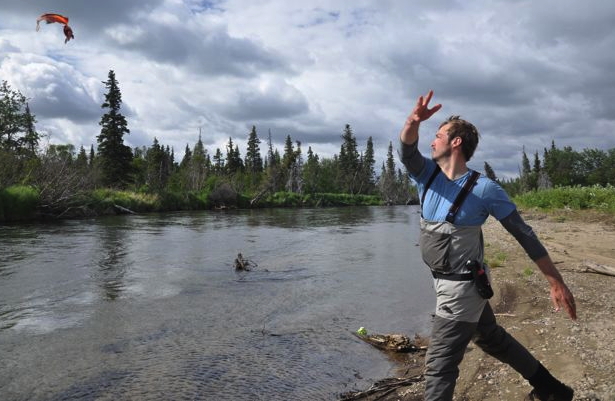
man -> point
(452, 246)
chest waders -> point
(462, 314)
(446, 248)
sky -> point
(525, 72)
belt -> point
(452, 276)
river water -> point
(150, 307)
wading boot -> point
(547, 387)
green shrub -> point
(102, 200)
(575, 198)
(18, 202)
(292, 199)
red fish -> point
(51, 18)
(68, 32)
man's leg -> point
(448, 342)
(495, 341)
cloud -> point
(525, 73)
(54, 89)
(204, 50)
(271, 99)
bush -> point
(576, 198)
(292, 199)
(18, 202)
(102, 200)
(223, 196)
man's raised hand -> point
(421, 111)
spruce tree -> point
(92, 157)
(183, 165)
(349, 161)
(288, 158)
(387, 182)
(367, 167)
(157, 172)
(254, 160)
(536, 169)
(489, 172)
(311, 172)
(29, 142)
(526, 171)
(349, 156)
(272, 160)
(218, 160)
(234, 163)
(115, 158)
(198, 166)
(81, 163)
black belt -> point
(452, 276)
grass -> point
(597, 198)
(291, 199)
(22, 202)
(18, 202)
(103, 199)
(497, 259)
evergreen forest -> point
(60, 181)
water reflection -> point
(310, 218)
(112, 264)
(184, 325)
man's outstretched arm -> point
(560, 294)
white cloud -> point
(524, 72)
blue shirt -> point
(486, 198)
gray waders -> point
(462, 314)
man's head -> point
(455, 132)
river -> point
(150, 307)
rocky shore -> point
(581, 353)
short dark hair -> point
(468, 133)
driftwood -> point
(590, 267)
(122, 209)
(258, 196)
(394, 342)
(382, 387)
(243, 264)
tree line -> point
(61, 173)
(560, 167)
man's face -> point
(441, 147)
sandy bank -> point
(581, 353)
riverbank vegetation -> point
(60, 181)
(596, 197)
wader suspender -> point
(429, 182)
(465, 191)
(452, 212)
(450, 217)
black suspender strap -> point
(467, 188)
(429, 182)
